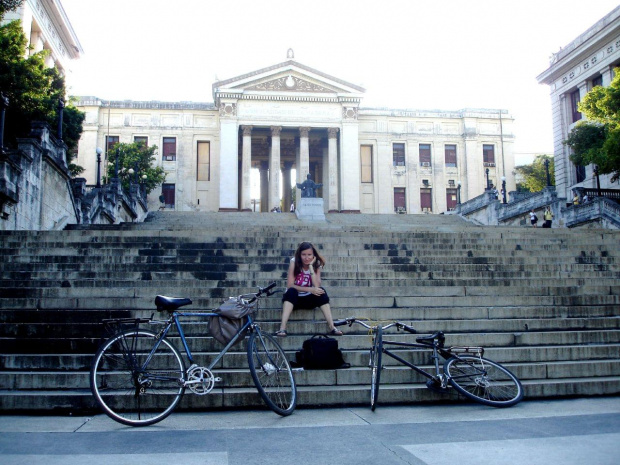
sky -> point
(407, 54)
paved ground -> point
(575, 431)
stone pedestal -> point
(310, 209)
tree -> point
(597, 140)
(33, 89)
(138, 158)
(535, 174)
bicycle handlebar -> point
(263, 290)
(399, 325)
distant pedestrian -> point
(586, 198)
(533, 218)
(162, 202)
(548, 216)
(292, 209)
(576, 200)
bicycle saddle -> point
(439, 335)
(170, 304)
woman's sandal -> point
(281, 333)
(335, 332)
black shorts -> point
(304, 302)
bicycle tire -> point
(376, 354)
(272, 373)
(129, 394)
(483, 381)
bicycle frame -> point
(175, 320)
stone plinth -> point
(310, 209)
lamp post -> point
(547, 172)
(598, 181)
(98, 151)
(61, 106)
(487, 172)
(458, 193)
(4, 104)
(504, 189)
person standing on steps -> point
(533, 218)
(304, 289)
(548, 216)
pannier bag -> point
(232, 318)
(320, 353)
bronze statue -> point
(308, 188)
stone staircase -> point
(546, 303)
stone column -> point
(350, 174)
(332, 170)
(304, 155)
(264, 186)
(274, 168)
(246, 168)
(229, 165)
(287, 186)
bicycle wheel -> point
(128, 391)
(375, 364)
(483, 381)
(271, 373)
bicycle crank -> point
(200, 380)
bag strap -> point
(317, 335)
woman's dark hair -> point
(320, 261)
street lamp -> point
(547, 171)
(4, 104)
(488, 187)
(504, 189)
(99, 152)
(458, 193)
(598, 181)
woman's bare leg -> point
(287, 309)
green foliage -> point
(535, 174)
(9, 5)
(140, 159)
(33, 90)
(597, 141)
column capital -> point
(275, 131)
(332, 133)
(304, 132)
(247, 130)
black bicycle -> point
(465, 369)
(138, 376)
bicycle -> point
(477, 378)
(138, 376)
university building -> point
(588, 61)
(293, 117)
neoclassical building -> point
(292, 117)
(588, 61)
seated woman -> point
(304, 289)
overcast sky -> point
(447, 55)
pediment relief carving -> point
(291, 83)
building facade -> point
(586, 62)
(292, 117)
(47, 27)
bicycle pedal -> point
(435, 387)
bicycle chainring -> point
(200, 380)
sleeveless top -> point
(303, 279)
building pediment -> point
(287, 81)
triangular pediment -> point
(289, 79)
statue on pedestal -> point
(308, 188)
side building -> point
(588, 61)
(292, 117)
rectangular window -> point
(574, 101)
(170, 148)
(450, 156)
(366, 161)
(425, 155)
(580, 173)
(203, 171)
(398, 152)
(167, 190)
(488, 155)
(451, 199)
(143, 139)
(400, 205)
(597, 81)
(426, 200)
(111, 141)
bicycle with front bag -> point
(464, 368)
(138, 376)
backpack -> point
(232, 317)
(320, 353)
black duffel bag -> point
(320, 353)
